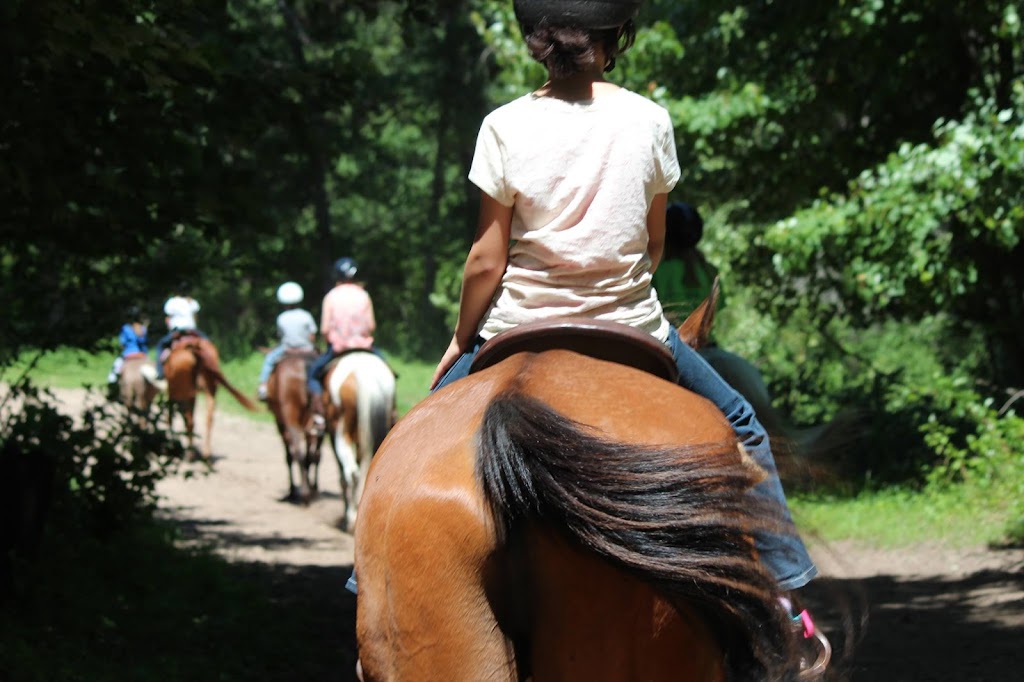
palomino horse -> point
(359, 413)
(134, 391)
(556, 516)
(193, 365)
(288, 399)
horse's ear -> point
(696, 328)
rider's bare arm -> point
(656, 229)
(481, 277)
(325, 317)
(485, 267)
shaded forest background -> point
(859, 163)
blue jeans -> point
(269, 362)
(783, 554)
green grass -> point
(64, 368)
(413, 381)
(135, 607)
(969, 514)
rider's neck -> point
(585, 85)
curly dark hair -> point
(567, 50)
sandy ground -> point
(918, 613)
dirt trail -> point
(919, 613)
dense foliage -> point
(74, 479)
(859, 163)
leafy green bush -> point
(83, 477)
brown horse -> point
(193, 365)
(560, 517)
(288, 399)
(360, 410)
(135, 392)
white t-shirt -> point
(581, 177)
(181, 312)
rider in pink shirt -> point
(347, 318)
(346, 321)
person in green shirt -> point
(684, 278)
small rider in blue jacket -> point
(134, 340)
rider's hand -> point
(447, 360)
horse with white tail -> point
(359, 412)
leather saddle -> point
(598, 339)
(184, 339)
(303, 353)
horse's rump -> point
(288, 399)
(287, 383)
(135, 391)
(558, 463)
(373, 385)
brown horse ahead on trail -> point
(556, 516)
(288, 399)
(193, 365)
(134, 391)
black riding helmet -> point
(345, 268)
(684, 226)
(595, 14)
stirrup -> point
(814, 671)
(803, 623)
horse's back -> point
(286, 389)
(181, 369)
(359, 367)
(290, 370)
(428, 549)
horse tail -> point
(375, 402)
(207, 357)
(678, 518)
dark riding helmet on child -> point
(684, 226)
(596, 14)
(345, 268)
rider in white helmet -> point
(295, 327)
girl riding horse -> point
(576, 176)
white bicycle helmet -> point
(289, 293)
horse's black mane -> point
(678, 518)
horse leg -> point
(211, 404)
(313, 445)
(282, 430)
(345, 453)
(298, 456)
(188, 413)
